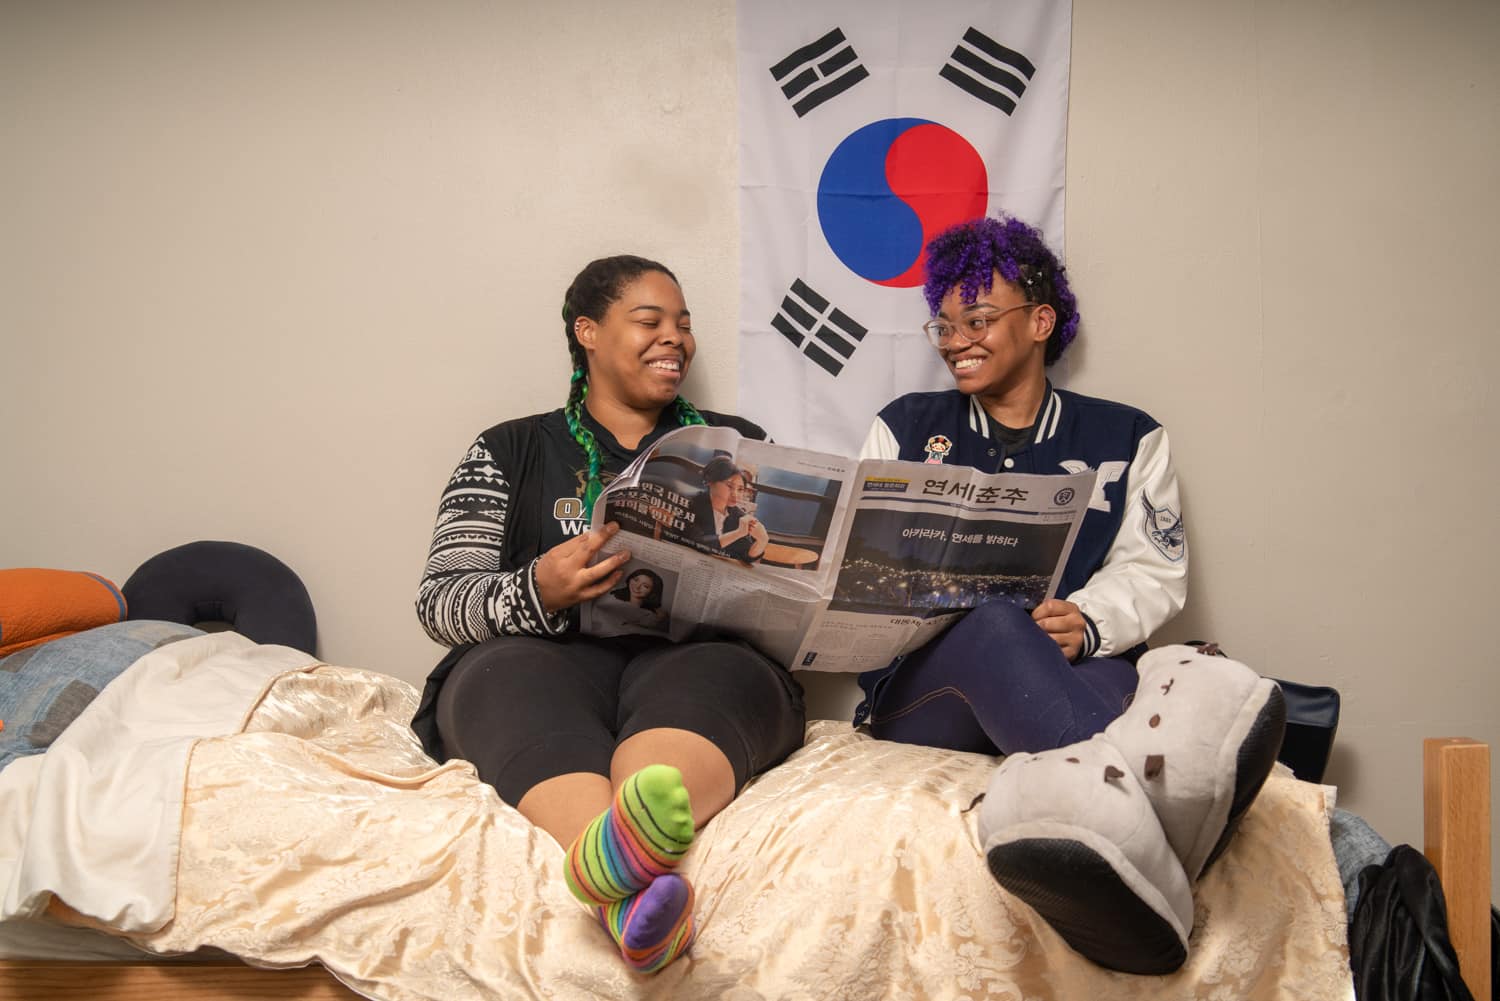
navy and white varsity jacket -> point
(1128, 568)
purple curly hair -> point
(966, 257)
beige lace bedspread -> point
(852, 871)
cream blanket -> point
(95, 820)
(322, 832)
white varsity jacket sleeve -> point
(880, 443)
(1143, 581)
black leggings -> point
(525, 709)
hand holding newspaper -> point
(823, 562)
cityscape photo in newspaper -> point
(926, 562)
(820, 561)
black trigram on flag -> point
(988, 70)
(817, 71)
(818, 329)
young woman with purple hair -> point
(1131, 784)
(1004, 679)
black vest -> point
(545, 468)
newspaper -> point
(823, 562)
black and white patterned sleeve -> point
(465, 595)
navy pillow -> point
(204, 582)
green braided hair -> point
(598, 286)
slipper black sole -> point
(1083, 898)
(1256, 758)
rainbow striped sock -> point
(641, 836)
(652, 927)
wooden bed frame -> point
(1456, 812)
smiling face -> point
(640, 350)
(1010, 342)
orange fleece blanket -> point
(38, 605)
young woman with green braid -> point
(618, 747)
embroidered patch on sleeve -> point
(1163, 527)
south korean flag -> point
(867, 127)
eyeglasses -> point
(971, 330)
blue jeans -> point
(996, 683)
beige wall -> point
(266, 268)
